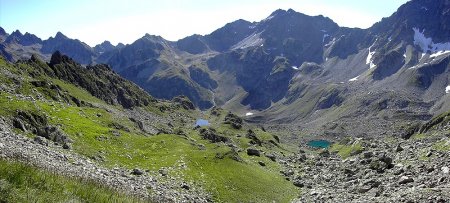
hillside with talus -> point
(88, 125)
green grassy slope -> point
(101, 132)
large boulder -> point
(254, 140)
(211, 135)
(253, 152)
(233, 120)
(184, 102)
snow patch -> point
(447, 89)
(250, 41)
(323, 31)
(331, 42)
(268, 18)
(295, 67)
(423, 55)
(439, 53)
(354, 79)
(249, 114)
(369, 59)
(427, 44)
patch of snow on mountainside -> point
(268, 18)
(354, 79)
(249, 114)
(427, 44)
(439, 53)
(250, 41)
(331, 43)
(421, 56)
(295, 67)
(447, 89)
(369, 59)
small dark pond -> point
(319, 143)
(201, 122)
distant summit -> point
(76, 49)
(104, 47)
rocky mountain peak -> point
(153, 37)
(23, 39)
(78, 50)
(2, 31)
(17, 33)
(60, 35)
(120, 45)
(59, 58)
(278, 12)
(107, 43)
(430, 16)
(104, 47)
(224, 38)
(29, 39)
(14, 37)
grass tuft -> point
(23, 183)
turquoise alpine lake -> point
(319, 143)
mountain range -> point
(290, 68)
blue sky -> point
(94, 21)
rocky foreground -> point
(393, 170)
(154, 186)
(378, 170)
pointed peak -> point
(291, 11)
(58, 58)
(2, 31)
(241, 21)
(278, 12)
(60, 35)
(35, 58)
(16, 33)
(106, 42)
(153, 37)
(120, 45)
